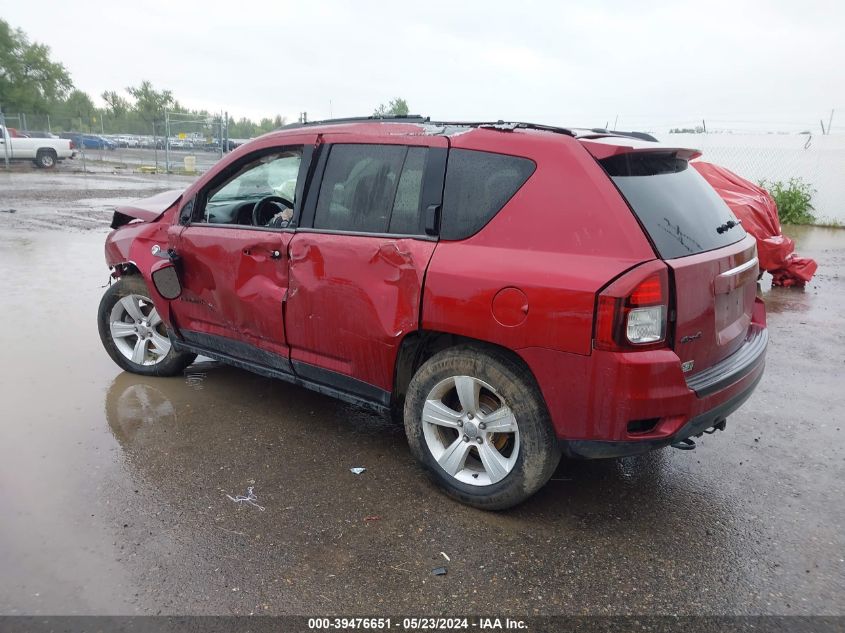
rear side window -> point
(371, 189)
(478, 185)
(679, 210)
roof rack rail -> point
(394, 118)
(506, 126)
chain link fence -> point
(818, 160)
(172, 142)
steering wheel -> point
(260, 215)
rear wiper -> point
(727, 226)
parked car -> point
(511, 292)
(89, 141)
(44, 152)
(40, 134)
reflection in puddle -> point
(794, 299)
(132, 404)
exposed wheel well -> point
(125, 268)
(418, 346)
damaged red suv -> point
(513, 292)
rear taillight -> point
(631, 313)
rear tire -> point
(46, 158)
(477, 423)
(134, 335)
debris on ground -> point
(439, 571)
(8, 210)
(445, 555)
(374, 517)
(249, 498)
(357, 470)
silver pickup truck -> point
(44, 152)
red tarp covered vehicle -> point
(759, 214)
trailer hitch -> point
(688, 444)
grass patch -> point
(794, 199)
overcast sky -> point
(654, 64)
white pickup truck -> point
(44, 152)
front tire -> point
(133, 333)
(476, 421)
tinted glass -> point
(679, 210)
(406, 207)
(478, 184)
(359, 188)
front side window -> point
(371, 189)
(261, 193)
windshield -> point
(682, 214)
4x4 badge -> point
(687, 366)
(691, 337)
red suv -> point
(512, 291)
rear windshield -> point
(679, 210)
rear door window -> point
(682, 214)
(478, 185)
(371, 189)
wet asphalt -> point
(114, 489)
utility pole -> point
(227, 131)
(23, 121)
(49, 129)
(830, 122)
(821, 122)
(704, 126)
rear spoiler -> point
(606, 146)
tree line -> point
(37, 93)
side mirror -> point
(166, 279)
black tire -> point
(46, 158)
(538, 449)
(171, 364)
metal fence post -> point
(166, 142)
(5, 134)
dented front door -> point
(234, 282)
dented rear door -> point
(358, 264)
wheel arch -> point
(420, 345)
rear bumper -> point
(598, 449)
(612, 404)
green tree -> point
(116, 104)
(150, 103)
(29, 80)
(79, 107)
(395, 107)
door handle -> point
(272, 253)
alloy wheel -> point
(470, 430)
(138, 331)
